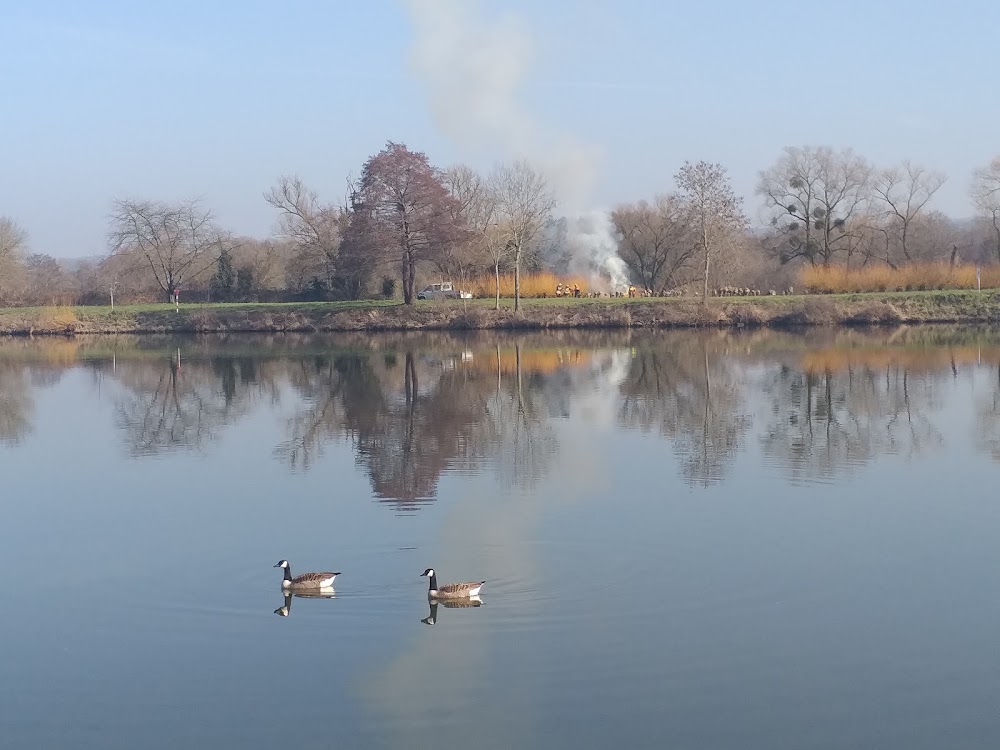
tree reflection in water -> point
(169, 403)
(819, 404)
(16, 404)
(412, 417)
(689, 391)
(988, 420)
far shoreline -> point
(887, 308)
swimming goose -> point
(322, 580)
(451, 590)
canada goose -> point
(431, 619)
(451, 590)
(322, 580)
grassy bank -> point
(778, 312)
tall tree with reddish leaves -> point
(403, 202)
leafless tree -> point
(524, 203)
(46, 281)
(472, 212)
(13, 240)
(263, 261)
(656, 241)
(403, 206)
(177, 241)
(986, 195)
(811, 195)
(903, 192)
(715, 211)
(314, 229)
(489, 239)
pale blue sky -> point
(216, 99)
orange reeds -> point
(532, 285)
(838, 279)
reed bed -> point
(914, 277)
(535, 285)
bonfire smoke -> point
(475, 68)
(591, 246)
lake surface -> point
(690, 540)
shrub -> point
(388, 287)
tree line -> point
(404, 222)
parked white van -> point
(443, 290)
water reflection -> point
(825, 422)
(16, 404)
(413, 407)
(412, 415)
(286, 609)
(431, 619)
(988, 421)
(688, 390)
(168, 403)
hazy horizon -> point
(115, 100)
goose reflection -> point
(286, 609)
(431, 619)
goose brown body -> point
(451, 590)
(320, 580)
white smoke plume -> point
(475, 68)
(591, 245)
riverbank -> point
(651, 313)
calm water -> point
(691, 540)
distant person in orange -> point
(559, 289)
(576, 290)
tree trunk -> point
(517, 279)
(704, 240)
(407, 282)
(496, 270)
(996, 230)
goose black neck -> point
(288, 573)
(434, 582)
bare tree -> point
(263, 261)
(313, 228)
(46, 282)
(402, 205)
(178, 242)
(13, 239)
(524, 203)
(904, 192)
(489, 240)
(716, 211)
(656, 241)
(471, 212)
(811, 195)
(986, 195)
